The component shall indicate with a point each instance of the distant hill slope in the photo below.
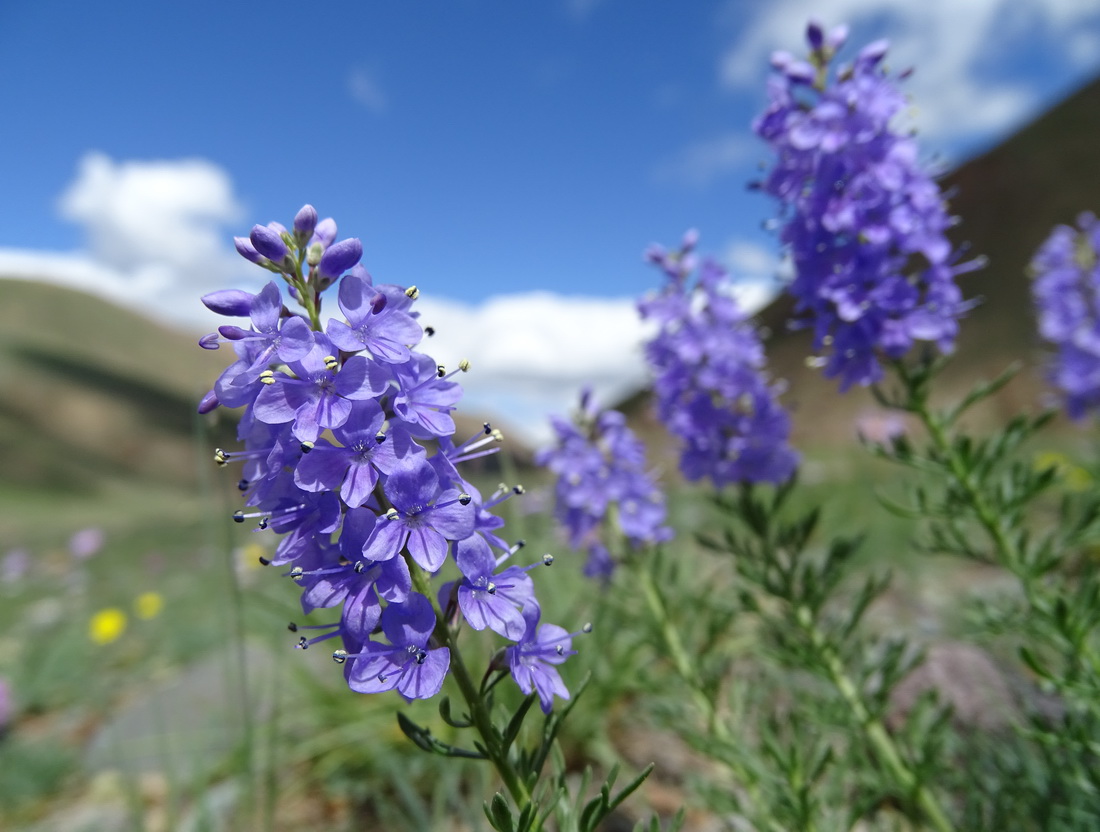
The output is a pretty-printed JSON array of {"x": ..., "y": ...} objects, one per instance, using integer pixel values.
[
  {"x": 1008, "y": 200},
  {"x": 91, "y": 390}
]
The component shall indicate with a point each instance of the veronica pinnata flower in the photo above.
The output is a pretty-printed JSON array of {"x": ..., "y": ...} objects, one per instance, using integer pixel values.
[
  {"x": 863, "y": 219},
  {"x": 602, "y": 481},
  {"x": 1066, "y": 290},
  {"x": 365, "y": 517},
  {"x": 709, "y": 380}
]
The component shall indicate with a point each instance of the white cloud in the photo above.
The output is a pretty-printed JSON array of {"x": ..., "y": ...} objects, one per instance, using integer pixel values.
[
  {"x": 952, "y": 45},
  {"x": 155, "y": 234},
  {"x": 531, "y": 353},
  {"x": 365, "y": 89},
  {"x": 155, "y": 244},
  {"x": 141, "y": 213}
]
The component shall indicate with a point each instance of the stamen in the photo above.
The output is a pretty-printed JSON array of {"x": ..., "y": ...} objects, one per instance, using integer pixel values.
[
  {"x": 488, "y": 429},
  {"x": 221, "y": 457},
  {"x": 412, "y": 292},
  {"x": 331, "y": 364},
  {"x": 238, "y": 516},
  {"x": 587, "y": 628},
  {"x": 306, "y": 447},
  {"x": 264, "y": 561},
  {"x": 547, "y": 559},
  {"x": 267, "y": 377},
  {"x": 465, "y": 498},
  {"x": 292, "y": 627},
  {"x": 243, "y": 485},
  {"x": 518, "y": 489},
  {"x": 440, "y": 370},
  {"x": 491, "y": 588},
  {"x": 392, "y": 514},
  {"x": 339, "y": 656},
  {"x": 464, "y": 365},
  {"x": 429, "y": 331},
  {"x": 380, "y": 437},
  {"x": 296, "y": 574}
]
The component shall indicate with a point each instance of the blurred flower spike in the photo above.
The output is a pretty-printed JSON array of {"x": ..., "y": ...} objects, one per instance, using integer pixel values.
[
  {"x": 1066, "y": 289},
  {"x": 709, "y": 378},
  {"x": 862, "y": 217},
  {"x": 603, "y": 491}
]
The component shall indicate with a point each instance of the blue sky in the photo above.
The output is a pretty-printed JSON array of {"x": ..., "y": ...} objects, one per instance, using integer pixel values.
[{"x": 511, "y": 158}]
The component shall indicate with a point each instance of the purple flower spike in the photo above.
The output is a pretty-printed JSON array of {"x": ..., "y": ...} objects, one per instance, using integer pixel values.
[
  {"x": 599, "y": 463},
  {"x": 340, "y": 257},
  {"x": 864, "y": 220},
  {"x": 709, "y": 379},
  {"x": 1066, "y": 292},
  {"x": 408, "y": 663},
  {"x": 532, "y": 659},
  {"x": 268, "y": 242}
]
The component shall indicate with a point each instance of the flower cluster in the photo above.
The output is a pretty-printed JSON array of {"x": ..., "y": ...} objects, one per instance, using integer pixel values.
[
  {"x": 709, "y": 379},
  {"x": 1067, "y": 293},
  {"x": 864, "y": 221},
  {"x": 337, "y": 425},
  {"x": 602, "y": 480}
]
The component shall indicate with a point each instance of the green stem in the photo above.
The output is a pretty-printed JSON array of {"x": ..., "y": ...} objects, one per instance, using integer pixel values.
[
  {"x": 479, "y": 713},
  {"x": 874, "y": 730},
  {"x": 680, "y": 658}
]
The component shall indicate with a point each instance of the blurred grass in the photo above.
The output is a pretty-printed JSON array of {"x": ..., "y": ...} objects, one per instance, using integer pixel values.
[{"x": 299, "y": 749}]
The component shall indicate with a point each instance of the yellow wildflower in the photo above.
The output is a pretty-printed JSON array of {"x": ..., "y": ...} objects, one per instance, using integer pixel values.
[
  {"x": 148, "y": 605},
  {"x": 107, "y": 625}
]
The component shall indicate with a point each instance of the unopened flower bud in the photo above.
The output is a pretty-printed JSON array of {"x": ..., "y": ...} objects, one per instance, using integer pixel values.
[
  {"x": 268, "y": 242},
  {"x": 324, "y": 233},
  {"x": 246, "y": 249},
  {"x": 233, "y": 303},
  {"x": 340, "y": 257},
  {"x": 304, "y": 223},
  {"x": 209, "y": 402}
]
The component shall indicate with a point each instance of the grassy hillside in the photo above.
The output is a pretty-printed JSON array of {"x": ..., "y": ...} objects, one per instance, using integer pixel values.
[{"x": 93, "y": 391}]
